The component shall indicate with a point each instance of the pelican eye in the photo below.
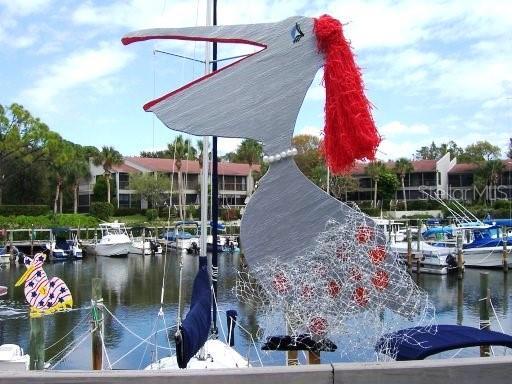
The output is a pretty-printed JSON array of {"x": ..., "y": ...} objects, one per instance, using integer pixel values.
[{"x": 296, "y": 33}]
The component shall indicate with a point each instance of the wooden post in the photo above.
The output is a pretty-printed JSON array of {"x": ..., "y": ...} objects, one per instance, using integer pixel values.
[
  {"x": 418, "y": 264},
  {"x": 51, "y": 245},
  {"x": 409, "y": 249},
  {"x": 504, "y": 240},
  {"x": 97, "y": 323},
  {"x": 87, "y": 234},
  {"x": 292, "y": 357},
  {"x": 36, "y": 343},
  {"x": 485, "y": 298},
  {"x": 418, "y": 237},
  {"x": 460, "y": 301},
  {"x": 313, "y": 357},
  {"x": 11, "y": 251},
  {"x": 32, "y": 240},
  {"x": 460, "y": 257}
]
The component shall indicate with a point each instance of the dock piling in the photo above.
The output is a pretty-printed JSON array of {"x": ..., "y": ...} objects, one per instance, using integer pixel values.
[
  {"x": 460, "y": 257},
  {"x": 97, "y": 323},
  {"x": 36, "y": 343},
  {"x": 409, "y": 249},
  {"x": 485, "y": 298}
]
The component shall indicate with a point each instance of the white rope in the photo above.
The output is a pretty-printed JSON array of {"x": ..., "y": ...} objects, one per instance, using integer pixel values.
[
  {"x": 129, "y": 330},
  {"x": 239, "y": 326},
  {"x": 105, "y": 349},
  {"x": 146, "y": 348},
  {"x": 73, "y": 349},
  {"x": 67, "y": 334}
]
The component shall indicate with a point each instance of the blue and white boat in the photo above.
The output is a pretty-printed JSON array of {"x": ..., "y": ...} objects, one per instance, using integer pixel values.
[
  {"x": 64, "y": 245},
  {"x": 184, "y": 236},
  {"x": 482, "y": 243}
]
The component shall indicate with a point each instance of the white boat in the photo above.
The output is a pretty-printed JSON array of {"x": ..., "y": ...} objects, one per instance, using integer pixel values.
[
  {"x": 394, "y": 230},
  {"x": 145, "y": 244},
  {"x": 114, "y": 241},
  {"x": 5, "y": 254},
  {"x": 184, "y": 236},
  {"x": 12, "y": 358},
  {"x": 62, "y": 248},
  {"x": 217, "y": 355},
  {"x": 435, "y": 260}
]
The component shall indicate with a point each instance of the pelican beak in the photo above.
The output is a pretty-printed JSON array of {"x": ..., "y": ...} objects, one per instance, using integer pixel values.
[{"x": 24, "y": 277}]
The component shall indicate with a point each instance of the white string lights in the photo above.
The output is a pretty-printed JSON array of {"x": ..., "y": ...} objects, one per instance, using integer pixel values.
[{"x": 348, "y": 285}]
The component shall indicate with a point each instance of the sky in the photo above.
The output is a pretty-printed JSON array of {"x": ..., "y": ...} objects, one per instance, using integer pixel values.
[{"x": 433, "y": 70}]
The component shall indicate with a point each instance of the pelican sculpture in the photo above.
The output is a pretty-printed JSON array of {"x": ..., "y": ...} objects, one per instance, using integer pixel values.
[{"x": 44, "y": 295}]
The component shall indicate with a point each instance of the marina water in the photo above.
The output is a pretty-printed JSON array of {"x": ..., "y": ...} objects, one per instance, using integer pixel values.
[{"x": 131, "y": 291}]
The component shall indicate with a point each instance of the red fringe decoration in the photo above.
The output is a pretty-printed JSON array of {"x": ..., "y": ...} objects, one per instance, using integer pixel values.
[{"x": 349, "y": 133}]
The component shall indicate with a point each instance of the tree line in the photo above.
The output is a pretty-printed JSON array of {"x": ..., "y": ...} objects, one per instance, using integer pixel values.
[{"x": 38, "y": 166}]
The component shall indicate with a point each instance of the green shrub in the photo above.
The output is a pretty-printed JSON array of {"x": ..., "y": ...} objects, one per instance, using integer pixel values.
[
  {"x": 128, "y": 211},
  {"x": 374, "y": 212},
  {"x": 27, "y": 210},
  {"x": 48, "y": 221},
  {"x": 102, "y": 210},
  {"x": 151, "y": 214},
  {"x": 502, "y": 204}
]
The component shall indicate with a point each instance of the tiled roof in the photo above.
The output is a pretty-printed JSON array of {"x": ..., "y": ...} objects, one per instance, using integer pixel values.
[
  {"x": 470, "y": 167},
  {"x": 123, "y": 168},
  {"x": 189, "y": 166},
  {"x": 419, "y": 166}
]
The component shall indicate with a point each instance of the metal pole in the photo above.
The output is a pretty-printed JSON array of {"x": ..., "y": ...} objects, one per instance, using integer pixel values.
[
  {"x": 97, "y": 323},
  {"x": 504, "y": 240},
  {"x": 485, "y": 298},
  {"x": 215, "y": 200},
  {"x": 409, "y": 249}
]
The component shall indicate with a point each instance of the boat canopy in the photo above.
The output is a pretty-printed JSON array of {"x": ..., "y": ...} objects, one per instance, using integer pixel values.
[
  {"x": 417, "y": 343},
  {"x": 194, "y": 330}
]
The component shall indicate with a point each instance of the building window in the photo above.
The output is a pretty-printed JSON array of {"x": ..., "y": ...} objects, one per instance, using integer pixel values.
[
  {"x": 429, "y": 178},
  {"x": 124, "y": 180},
  {"x": 365, "y": 182},
  {"x": 84, "y": 200},
  {"x": 124, "y": 200}
]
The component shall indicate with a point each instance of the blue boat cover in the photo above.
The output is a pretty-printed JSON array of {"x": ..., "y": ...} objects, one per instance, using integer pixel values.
[
  {"x": 421, "y": 343},
  {"x": 195, "y": 328}
]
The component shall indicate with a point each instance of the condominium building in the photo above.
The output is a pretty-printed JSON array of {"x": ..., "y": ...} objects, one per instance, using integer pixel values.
[
  {"x": 235, "y": 181},
  {"x": 443, "y": 177}
]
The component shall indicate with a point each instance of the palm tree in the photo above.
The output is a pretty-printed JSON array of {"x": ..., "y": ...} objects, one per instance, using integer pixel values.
[
  {"x": 374, "y": 170},
  {"x": 181, "y": 149},
  {"x": 108, "y": 157},
  {"x": 250, "y": 152},
  {"x": 403, "y": 166},
  {"x": 78, "y": 170},
  {"x": 489, "y": 173}
]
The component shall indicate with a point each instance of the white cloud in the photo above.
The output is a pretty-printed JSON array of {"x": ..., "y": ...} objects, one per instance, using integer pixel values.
[
  {"x": 309, "y": 130},
  {"x": 25, "y": 7},
  {"x": 396, "y": 128},
  {"x": 80, "y": 68}
]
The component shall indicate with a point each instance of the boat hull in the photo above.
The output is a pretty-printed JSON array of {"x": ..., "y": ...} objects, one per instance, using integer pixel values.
[
  {"x": 112, "y": 250},
  {"x": 218, "y": 354},
  {"x": 486, "y": 257}
]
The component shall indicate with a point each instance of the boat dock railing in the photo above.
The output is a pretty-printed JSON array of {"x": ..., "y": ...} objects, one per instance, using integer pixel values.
[{"x": 494, "y": 370}]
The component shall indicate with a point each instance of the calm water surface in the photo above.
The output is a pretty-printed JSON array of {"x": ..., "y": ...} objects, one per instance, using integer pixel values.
[{"x": 132, "y": 288}]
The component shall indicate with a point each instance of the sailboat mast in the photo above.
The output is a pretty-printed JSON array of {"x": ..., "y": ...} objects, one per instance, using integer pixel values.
[
  {"x": 215, "y": 199},
  {"x": 204, "y": 178}
]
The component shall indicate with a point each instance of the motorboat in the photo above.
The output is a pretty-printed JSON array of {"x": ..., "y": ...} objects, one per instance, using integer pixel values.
[
  {"x": 434, "y": 260},
  {"x": 482, "y": 243},
  {"x": 114, "y": 241},
  {"x": 12, "y": 358},
  {"x": 394, "y": 230},
  {"x": 184, "y": 236},
  {"x": 144, "y": 243},
  {"x": 64, "y": 245},
  {"x": 5, "y": 254}
]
